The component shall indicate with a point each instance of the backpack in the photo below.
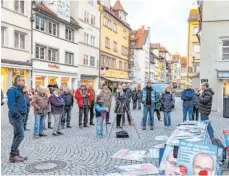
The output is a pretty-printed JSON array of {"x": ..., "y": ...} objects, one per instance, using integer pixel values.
[{"x": 122, "y": 134}]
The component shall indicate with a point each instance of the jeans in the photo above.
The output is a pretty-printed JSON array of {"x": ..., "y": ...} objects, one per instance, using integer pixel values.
[
  {"x": 204, "y": 117},
  {"x": 148, "y": 109},
  {"x": 49, "y": 117},
  {"x": 167, "y": 119},
  {"x": 66, "y": 117},
  {"x": 134, "y": 104},
  {"x": 139, "y": 103},
  {"x": 39, "y": 124},
  {"x": 195, "y": 113},
  {"x": 91, "y": 109},
  {"x": 189, "y": 111},
  {"x": 26, "y": 117},
  {"x": 108, "y": 116},
  {"x": 99, "y": 126},
  {"x": 18, "y": 126},
  {"x": 57, "y": 122},
  {"x": 118, "y": 120},
  {"x": 83, "y": 110}
]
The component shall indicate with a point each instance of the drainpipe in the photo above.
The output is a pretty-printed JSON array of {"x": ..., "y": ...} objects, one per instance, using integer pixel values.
[{"x": 99, "y": 84}]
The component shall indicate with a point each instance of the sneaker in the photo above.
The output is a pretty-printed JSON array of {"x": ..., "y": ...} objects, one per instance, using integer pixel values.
[
  {"x": 42, "y": 135},
  {"x": 15, "y": 159},
  {"x": 35, "y": 137},
  {"x": 55, "y": 134},
  {"x": 60, "y": 133},
  {"x": 169, "y": 127},
  {"x": 143, "y": 127},
  {"x": 151, "y": 128},
  {"x": 23, "y": 157},
  {"x": 131, "y": 124}
]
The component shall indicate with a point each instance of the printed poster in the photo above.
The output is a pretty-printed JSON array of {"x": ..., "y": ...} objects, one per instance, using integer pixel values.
[
  {"x": 226, "y": 137},
  {"x": 129, "y": 155},
  {"x": 138, "y": 169},
  {"x": 197, "y": 159}
]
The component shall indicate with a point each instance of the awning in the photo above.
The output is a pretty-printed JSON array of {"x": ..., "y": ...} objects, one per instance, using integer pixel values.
[
  {"x": 118, "y": 80},
  {"x": 223, "y": 74}
]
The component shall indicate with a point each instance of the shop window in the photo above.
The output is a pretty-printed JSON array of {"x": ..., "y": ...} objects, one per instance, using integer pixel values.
[
  {"x": 52, "y": 80},
  {"x": 19, "y": 40},
  {"x": 85, "y": 60},
  {"x": 226, "y": 88},
  {"x": 225, "y": 49},
  {"x": 64, "y": 81},
  {"x": 19, "y": 72},
  {"x": 52, "y": 55},
  {"x": 4, "y": 79},
  {"x": 40, "y": 81},
  {"x": 92, "y": 61},
  {"x": 69, "y": 59},
  {"x": 69, "y": 34}
]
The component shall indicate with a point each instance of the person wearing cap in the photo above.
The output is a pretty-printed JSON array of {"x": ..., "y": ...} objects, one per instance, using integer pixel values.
[
  {"x": 17, "y": 112},
  {"x": 148, "y": 101},
  {"x": 82, "y": 96}
]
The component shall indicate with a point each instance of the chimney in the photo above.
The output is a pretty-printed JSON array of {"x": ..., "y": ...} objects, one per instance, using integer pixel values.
[{"x": 143, "y": 29}]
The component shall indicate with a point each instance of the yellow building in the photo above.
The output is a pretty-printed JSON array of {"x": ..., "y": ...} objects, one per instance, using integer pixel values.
[
  {"x": 114, "y": 45},
  {"x": 193, "y": 55}
]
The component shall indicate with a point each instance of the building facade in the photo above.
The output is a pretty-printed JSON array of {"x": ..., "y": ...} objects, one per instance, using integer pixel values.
[
  {"x": 15, "y": 42},
  {"x": 88, "y": 16},
  {"x": 193, "y": 55},
  {"x": 114, "y": 45},
  {"x": 183, "y": 73},
  {"x": 176, "y": 71},
  {"x": 55, "y": 43},
  {"x": 214, "y": 50}
]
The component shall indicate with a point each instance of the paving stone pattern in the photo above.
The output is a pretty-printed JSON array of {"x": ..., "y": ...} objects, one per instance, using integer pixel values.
[{"x": 81, "y": 150}]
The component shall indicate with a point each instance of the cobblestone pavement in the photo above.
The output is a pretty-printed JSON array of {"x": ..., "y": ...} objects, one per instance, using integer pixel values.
[{"x": 81, "y": 150}]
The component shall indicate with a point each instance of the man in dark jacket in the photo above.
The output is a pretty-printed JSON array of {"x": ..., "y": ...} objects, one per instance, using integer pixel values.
[
  {"x": 69, "y": 101},
  {"x": 205, "y": 105},
  {"x": 134, "y": 98},
  {"x": 139, "y": 95},
  {"x": 17, "y": 113},
  {"x": 196, "y": 106},
  {"x": 128, "y": 94},
  {"x": 188, "y": 97}
]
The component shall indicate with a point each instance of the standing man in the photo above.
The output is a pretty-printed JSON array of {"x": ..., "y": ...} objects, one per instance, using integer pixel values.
[
  {"x": 92, "y": 102},
  {"x": 205, "y": 105},
  {"x": 82, "y": 96},
  {"x": 196, "y": 106},
  {"x": 188, "y": 97},
  {"x": 28, "y": 98},
  {"x": 69, "y": 101},
  {"x": 148, "y": 100},
  {"x": 139, "y": 95},
  {"x": 134, "y": 98},
  {"x": 107, "y": 98},
  {"x": 17, "y": 112},
  {"x": 128, "y": 94}
]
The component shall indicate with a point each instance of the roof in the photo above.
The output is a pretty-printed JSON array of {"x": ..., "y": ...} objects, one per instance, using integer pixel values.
[
  {"x": 118, "y": 6},
  {"x": 194, "y": 15},
  {"x": 140, "y": 37},
  {"x": 155, "y": 45},
  {"x": 43, "y": 7},
  {"x": 163, "y": 49}
]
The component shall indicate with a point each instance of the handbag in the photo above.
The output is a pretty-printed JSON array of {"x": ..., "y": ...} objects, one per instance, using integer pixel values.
[{"x": 122, "y": 134}]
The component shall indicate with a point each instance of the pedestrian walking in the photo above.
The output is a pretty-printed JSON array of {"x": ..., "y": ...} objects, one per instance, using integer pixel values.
[
  {"x": 148, "y": 101},
  {"x": 49, "y": 114},
  {"x": 17, "y": 112},
  {"x": 188, "y": 97},
  {"x": 167, "y": 102},
  {"x": 120, "y": 105},
  {"x": 134, "y": 98},
  {"x": 128, "y": 94},
  {"x": 28, "y": 98},
  {"x": 68, "y": 101},
  {"x": 195, "y": 114},
  {"x": 92, "y": 102},
  {"x": 40, "y": 103},
  {"x": 82, "y": 96},
  {"x": 100, "y": 113},
  {"x": 107, "y": 98},
  {"x": 205, "y": 105},
  {"x": 57, "y": 109},
  {"x": 139, "y": 95}
]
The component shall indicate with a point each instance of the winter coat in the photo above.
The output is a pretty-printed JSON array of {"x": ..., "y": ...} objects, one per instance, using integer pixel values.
[
  {"x": 128, "y": 93},
  {"x": 134, "y": 95},
  {"x": 188, "y": 97},
  {"x": 68, "y": 100},
  {"x": 16, "y": 102},
  {"x": 92, "y": 96},
  {"x": 100, "y": 110},
  {"x": 205, "y": 101},
  {"x": 120, "y": 104},
  {"x": 81, "y": 100},
  {"x": 107, "y": 98},
  {"x": 196, "y": 101},
  {"x": 157, "y": 101},
  {"x": 40, "y": 104},
  {"x": 139, "y": 94},
  {"x": 57, "y": 104},
  {"x": 167, "y": 102},
  {"x": 144, "y": 96}
]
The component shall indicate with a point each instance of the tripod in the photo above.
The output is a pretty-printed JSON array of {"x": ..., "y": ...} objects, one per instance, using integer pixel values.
[{"x": 123, "y": 116}]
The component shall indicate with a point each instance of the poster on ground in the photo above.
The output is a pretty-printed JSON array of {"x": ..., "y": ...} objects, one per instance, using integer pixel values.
[
  {"x": 138, "y": 169},
  {"x": 197, "y": 159},
  {"x": 127, "y": 154}
]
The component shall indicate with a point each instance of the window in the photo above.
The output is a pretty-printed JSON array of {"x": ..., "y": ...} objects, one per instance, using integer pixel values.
[
  {"x": 196, "y": 68},
  {"x": 19, "y": 40},
  {"x": 52, "y": 55},
  {"x": 19, "y": 6},
  {"x": 86, "y": 38},
  {"x": 90, "y": 2},
  {"x": 69, "y": 34},
  {"x": 105, "y": 21},
  {"x": 110, "y": 62},
  {"x": 93, "y": 20},
  {"x": 125, "y": 66},
  {"x": 2, "y": 3},
  {"x": 92, "y": 40},
  {"x": 115, "y": 47},
  {"x": 195, "y": 30},
  {"x": 85, "y": 60},
  {"x": 115, "y": 27},
  {"x": 86, "y": 16},
  {"x": 114, "y": 63},
  {"x": 52, "y": 28},
  {"x": 3, "y": 33},
  {"x": 92, "y": 61},
  {"x": 102, "y": 60},
  {"x": 69, "y": 58},
  {"x": 40, "y": 23},
  {"x": 107, "y": 42},
  {"x": 196, "y": 48},
  {"x": 124, "y": 34},
  {"x": 106, "y": 61},
  {"x": 225, "y": 49},
  {"x": 124, "y": 51},
  {"x": 109, "y": 24},
  {"x": 120, "y": 65},
  {"x": 40, "y": 52}
]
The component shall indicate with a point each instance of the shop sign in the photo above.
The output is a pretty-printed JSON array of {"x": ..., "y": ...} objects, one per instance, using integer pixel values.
[
  {"x": 204, "y": 80},
  {"x": 53, "y": 66}
]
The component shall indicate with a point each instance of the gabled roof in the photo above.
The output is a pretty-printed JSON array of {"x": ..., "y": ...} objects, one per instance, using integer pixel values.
[
  {"x": 140, "y": 37},
  {"x": 155, "y": 45},
  {"x": 44, "y": 8},
  {"x": 118, "y": 6},
  {"x": 194, "y": 15},
  {"x": 163, "y": 49}
]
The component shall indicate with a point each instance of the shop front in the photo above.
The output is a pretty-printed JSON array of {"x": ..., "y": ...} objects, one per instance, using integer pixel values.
[
  {"x": 46, "y": 73},
  {"x": 89, "y": 79}
]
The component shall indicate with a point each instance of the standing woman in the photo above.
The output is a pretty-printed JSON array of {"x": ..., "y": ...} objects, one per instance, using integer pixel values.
[
  {"x": 57, "y": 109},
  {"x": 167, "y": 102},
  {"x": 49, "y": 110}
]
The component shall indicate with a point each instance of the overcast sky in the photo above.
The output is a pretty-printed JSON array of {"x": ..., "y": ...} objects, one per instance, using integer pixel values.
[{"x": 167, "y": 20}]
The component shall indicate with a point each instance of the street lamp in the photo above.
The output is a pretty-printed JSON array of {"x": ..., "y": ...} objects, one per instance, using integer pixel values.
[{"x": 193, "y": 56}]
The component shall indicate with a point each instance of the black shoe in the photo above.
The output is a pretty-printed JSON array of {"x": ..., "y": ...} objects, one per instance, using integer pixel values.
[
  {"x": 55, "y": 134},
  {"x": 26, "y": 129},
  {"x": 49, "y": 125},
  {"x": 108, "y": 123},
  {"x": 92, "y": 124},
  {"x": 69, "y": 126},
  {"x": 151, "y": 128},
  {"x": 42, "y": 135},
  {"x": 60, "y": 133},
  {"x": 143, "y": 127},
  {"x": 86, "y": 125}
]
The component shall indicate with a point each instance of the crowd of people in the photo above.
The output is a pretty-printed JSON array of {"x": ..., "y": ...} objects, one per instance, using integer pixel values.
[{"x": 56, "y": 105}]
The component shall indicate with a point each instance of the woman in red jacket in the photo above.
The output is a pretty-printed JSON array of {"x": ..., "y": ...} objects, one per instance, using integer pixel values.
[{"x": 82, "y": 96}]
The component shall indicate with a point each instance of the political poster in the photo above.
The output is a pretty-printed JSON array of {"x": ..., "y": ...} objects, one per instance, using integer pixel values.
[
  {"x": 197, "y": 159},
  {"x": 226, "y": 137},
  {"x": 138, "y": 169},
  {"x": 126, "y": 154}
]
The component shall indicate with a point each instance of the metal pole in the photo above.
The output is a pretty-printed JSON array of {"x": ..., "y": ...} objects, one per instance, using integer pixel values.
[{"x": 99, "y": 84}]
